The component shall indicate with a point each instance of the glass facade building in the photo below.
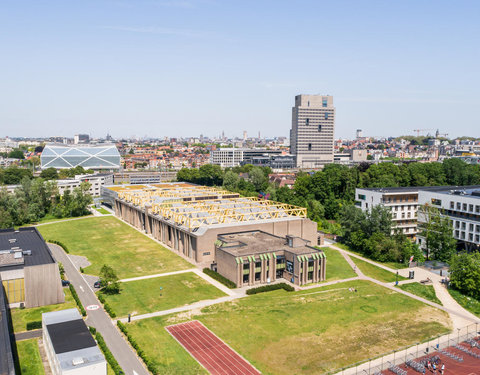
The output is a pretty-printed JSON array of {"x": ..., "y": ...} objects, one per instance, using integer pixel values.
[{"x": 88, "y": 156}]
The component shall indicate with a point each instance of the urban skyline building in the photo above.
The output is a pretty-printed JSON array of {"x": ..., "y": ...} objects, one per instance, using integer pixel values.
[{"x": 312, "y": 133}]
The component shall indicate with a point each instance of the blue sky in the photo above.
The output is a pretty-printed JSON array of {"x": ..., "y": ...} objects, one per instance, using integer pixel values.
[{"x": 185, "y": 67}]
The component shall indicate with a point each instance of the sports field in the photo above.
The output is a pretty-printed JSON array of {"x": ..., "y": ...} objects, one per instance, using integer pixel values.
[
  {"x": 107, "y": 240},
  {"x": 145, "y": 296},
  {"x": 306, "y": 332}
]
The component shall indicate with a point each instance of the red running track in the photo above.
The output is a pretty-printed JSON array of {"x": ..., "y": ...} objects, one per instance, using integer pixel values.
[{"x": 211, "y": 352}]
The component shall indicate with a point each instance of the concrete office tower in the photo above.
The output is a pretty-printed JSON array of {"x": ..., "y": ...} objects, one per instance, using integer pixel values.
[
  {"x": 359, "y": 133},
  {"x": 313, "y": 125}
]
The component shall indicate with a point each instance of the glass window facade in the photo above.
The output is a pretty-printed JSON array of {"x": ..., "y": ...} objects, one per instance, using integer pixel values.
[{"x": 88, "y": 157}]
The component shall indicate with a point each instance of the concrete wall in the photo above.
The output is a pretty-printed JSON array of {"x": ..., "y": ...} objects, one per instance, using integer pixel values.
[{"x": 43, "y": 285}]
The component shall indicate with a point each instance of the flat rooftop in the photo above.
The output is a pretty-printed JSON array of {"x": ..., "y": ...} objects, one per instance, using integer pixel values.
[
  {"x": 466, "y": 191},
  {"x": 192, "y": 206},
  {"x": 414, "y": 189},
  {"x": 23, "y": 247},
  {"x": 258, "y": 242}
]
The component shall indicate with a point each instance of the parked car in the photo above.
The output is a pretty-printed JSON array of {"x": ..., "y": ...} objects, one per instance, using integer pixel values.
[
  {"x": 97, "y": 284},
  {"x": 65, "y": 283}
]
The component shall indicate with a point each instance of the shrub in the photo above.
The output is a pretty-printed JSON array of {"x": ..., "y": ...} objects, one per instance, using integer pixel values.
[
  {"x": 151, "y": 366},
  {"x": 82, "y": 270},
  {"x": 268, "y": 288},
  {"x": 93, "y": 330},
  {"x": 219, "y": 278},
  {"x": 108, "y": 354},
  {"x": 77, "y": 300},
  {"x": 101, "y": 298},
  {"x": 64, "y": 247},
  {"x": 37, "y": 324},
  {"x": 109, "y": 310}
]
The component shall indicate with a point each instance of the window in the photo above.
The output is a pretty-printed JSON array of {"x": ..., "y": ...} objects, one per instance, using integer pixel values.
[
  {"x": 319, "y": 128},
  {"x": 470, "y": 237},
  {"x": 459, "y": 206},
  {"x": 464, "y": 207},
  {"x": 436, "y": 202},
  {"x": 477, "y": 209},
  {"x": 477, "y": 238},
  {"x": 245, "y": 278},
  {"x": 207, "y": 253},
  {"x": 478, "y": 228},
  {"x": 324, "y": 102},
  {"x": 452, "y": 205},
  {"x": 457, "y": 224},
  {"x": 457, "y": 233},
  {"x": 308, "y": 103},
  {"x": 470, "y": 208},
  {"x": 309, "y": 147},
  {"x": 361, "y": 196},
  {"x": 326, "y": 115},
  {"x": 470, "y": 227},
  {"x": 307, "y": 121},
  {"x": 464, "y": 226}
]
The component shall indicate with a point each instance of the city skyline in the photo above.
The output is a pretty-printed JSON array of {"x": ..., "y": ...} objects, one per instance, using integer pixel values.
[{"x": 182, "y": 68}]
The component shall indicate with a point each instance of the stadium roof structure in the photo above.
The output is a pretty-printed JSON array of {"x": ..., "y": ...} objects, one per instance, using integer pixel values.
[
  {"x": 59, "y": 156},
  {"x": 193, "y": 206}
]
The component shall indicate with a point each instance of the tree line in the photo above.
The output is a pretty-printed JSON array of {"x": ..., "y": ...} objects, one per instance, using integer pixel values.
[
  {"x": 14, "y": 175},
  {"x": 35, "y": 198}
]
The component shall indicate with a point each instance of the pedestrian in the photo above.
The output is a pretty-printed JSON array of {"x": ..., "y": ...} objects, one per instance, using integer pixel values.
[
  {"x": 443, "y": 368},
  {"x": 428, "y": 364},
  {"x": 434, "y": 368}
]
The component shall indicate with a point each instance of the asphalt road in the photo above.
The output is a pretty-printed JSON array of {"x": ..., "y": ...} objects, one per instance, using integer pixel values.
[{"x": 99, "y": 319}]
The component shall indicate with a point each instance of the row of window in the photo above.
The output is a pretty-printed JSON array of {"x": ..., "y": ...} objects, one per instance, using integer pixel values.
[
  {"x": 471, "y": 227},
  {"x": 462, "y": 236},
  {"x": 463, "y": 206}
]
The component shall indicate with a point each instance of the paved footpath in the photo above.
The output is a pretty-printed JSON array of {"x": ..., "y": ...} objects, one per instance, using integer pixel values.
[
  {"x": 99, "y": 319},
  {"x": 27, "y": 335}
]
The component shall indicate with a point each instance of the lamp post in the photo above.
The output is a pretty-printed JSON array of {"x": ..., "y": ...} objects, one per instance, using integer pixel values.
[
  {"x": 396, "y": 279},
  {"x": 161, "y": 289},
  {"x": 458, "y": 336}
]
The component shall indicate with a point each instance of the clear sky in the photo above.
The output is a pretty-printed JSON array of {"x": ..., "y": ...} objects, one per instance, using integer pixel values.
[{"x": 185, "y": 67}]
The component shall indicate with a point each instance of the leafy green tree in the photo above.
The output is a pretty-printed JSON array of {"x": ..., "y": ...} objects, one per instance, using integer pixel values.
[
  {"x": 109, "y": 280},
  {"x": 437, "y": 232},
  {"x": 16, "y": 154},
  {"x": 258, "y": 179},
  {"x": 13, "y": 175},
  {"x": 49, "y": 174},
  {"x": 230, "y": 180},
  {"x": 465, "y": 273}
]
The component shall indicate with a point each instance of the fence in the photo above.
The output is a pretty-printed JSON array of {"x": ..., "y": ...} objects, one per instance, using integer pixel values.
[{"x": 373, "y": 366}]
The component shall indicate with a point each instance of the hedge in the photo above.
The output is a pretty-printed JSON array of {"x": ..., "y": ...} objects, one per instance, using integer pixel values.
[
  {"x": 106, "y": 306},
  {"x": 108, "y": 354},
  {"x": 151, "y": 366},
  {"x": 64, "y": 247},
  {"x": 219, "y": 278},
  {"x": 268, "y": 288},
  {"x": 77, "y": 300},
  {"x": 37, "y": 324}
]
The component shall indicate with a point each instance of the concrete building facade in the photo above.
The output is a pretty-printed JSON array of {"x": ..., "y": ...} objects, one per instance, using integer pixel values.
[
  {"x": 257, "y": 257},
  {"x": 233, "y": 157},
  {"x": 188, "y": 218},
  {"x": 312, "y": 133}
]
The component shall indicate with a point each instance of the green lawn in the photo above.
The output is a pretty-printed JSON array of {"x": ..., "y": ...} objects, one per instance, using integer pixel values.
[
  {"x": 143, "y": 296},
  {"x": 393, "y": 265},
  {"x": 425, "y": 291},
  {"x": 299, "y": 332},
  {"x": 375, "y": 272},
  {"x": 48, "y": 218},
  {"x": 337, "y": 266},
  {"x": 469, "y": 303},
  {"x": 20, "y": 317},
  {"x": 107, "y": 240},
  {"x": 103, "y": 211},
  {"x": 30, "y": 362}
]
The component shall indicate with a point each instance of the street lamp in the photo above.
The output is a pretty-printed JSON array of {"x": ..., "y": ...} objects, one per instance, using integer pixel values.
[
  {"x": 161, "y": 289},
  {"x": 458, "y": 337}
]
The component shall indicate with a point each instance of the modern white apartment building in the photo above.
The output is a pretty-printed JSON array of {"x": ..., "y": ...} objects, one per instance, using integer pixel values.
[
  {"x": 232, "y": 157},
  {"x": 462, "y": 206},
  {"x": 402, "y": 202},
  {"x": 312, "y": 133}
]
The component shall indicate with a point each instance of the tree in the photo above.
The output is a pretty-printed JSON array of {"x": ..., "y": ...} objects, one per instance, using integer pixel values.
[
  {"x": 258, "y": 179},
  {"x": 465, "y": 273},
  {"x": 16, "y": 154},
  {"x": 437, "y": 232},
  {"x": 49, "y": 174},
  {"x": 109, "y": 280},
  {"x": 230, "y": 180}
]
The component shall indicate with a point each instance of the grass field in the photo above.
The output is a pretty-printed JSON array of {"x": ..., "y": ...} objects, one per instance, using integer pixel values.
[
  {"x": 300, "y": 332},
  {"x": 469, "y": 303},
  {"x": 337, "y": 266},
  {"x": 375, "y": 272},
  {"x": 393, "y": 265},
  {"x": 30, "y": 362},
  {"x": 20, "y": 317},
  {"x": 424, "y": 291},
  {"x": 102, "y": 210},
  {"x": 107, "y": 240},
  {"x": 143, "y": 296}
]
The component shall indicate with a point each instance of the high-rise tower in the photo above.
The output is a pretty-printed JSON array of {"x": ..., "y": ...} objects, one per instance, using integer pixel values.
[{"x": 313, "y": 125}]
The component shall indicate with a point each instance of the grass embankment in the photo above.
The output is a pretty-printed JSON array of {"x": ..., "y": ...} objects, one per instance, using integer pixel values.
[
  {"x": 424, "y": 291},
  {"x": 21, "y": 317},
  {"x": 393, "y": 265},
  {"x": 145, "y": 296},
  {"x": 376, "y": 272},
  {"x": 107, "y": 240},
  {"x": 103, "y": 211},
  {"x": 337, "y": 267},
  {"x": 469, "y": 303},
  {"x": 298, "y": 332},
  {"x": 29, "y": 359}
]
